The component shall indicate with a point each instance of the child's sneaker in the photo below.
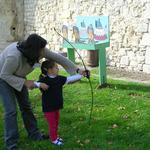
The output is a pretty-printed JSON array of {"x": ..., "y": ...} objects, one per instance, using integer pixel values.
[
  {"x": 60, "y": 139},
  {"x": 57, "y": 142}
]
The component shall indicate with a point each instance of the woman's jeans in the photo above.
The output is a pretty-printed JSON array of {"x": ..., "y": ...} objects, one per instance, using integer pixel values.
[{"x": 9, "y": 97}]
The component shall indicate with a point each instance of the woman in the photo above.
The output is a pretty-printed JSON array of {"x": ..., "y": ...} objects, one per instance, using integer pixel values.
[{"x": 16, "y": 62}]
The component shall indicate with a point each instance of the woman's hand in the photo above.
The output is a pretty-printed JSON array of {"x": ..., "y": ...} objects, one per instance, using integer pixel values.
[
  {"x": 44, "y": 86},
  {"x": 29, "y": 84}
]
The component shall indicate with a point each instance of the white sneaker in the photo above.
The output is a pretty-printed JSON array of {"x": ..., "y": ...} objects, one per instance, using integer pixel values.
[
  {"x": 57, "y": 142},
  {"x": 60, "y": 139}
]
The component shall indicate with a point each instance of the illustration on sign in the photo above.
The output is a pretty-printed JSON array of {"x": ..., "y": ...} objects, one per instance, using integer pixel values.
[{"x": 90, "y": 29}]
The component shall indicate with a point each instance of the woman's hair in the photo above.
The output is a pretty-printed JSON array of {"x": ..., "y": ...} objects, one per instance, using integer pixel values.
[
  {"x": 45, "y": 66},
  {"x": 31, "y": 48}
]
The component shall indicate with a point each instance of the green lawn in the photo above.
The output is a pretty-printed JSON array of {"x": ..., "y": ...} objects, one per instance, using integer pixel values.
[{"x": 120, "y": 119}]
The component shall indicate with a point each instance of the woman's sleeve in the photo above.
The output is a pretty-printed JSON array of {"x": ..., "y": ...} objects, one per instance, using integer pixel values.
[
  {"x": 69, "y": 66},
  {"x": 7, "y": 73}
]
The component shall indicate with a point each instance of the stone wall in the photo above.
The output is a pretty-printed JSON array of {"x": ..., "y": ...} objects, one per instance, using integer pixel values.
[
  {"x": 11, "y": 20},
  {"x": 129, "y": 26}
]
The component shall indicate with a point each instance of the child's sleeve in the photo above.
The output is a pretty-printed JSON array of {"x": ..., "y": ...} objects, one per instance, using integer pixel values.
[
  {"x": 37, "y": 84},
  {"x": 73, "y": 78}
]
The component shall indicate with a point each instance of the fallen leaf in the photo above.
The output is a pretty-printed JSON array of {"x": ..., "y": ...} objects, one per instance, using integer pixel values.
[
  {"x": 115, "y": 126},
  {"x": 125, "y": 116},
  {"x": 135, "y": 111},
  {"x": 121, "y": 108},
  {"x": 110, "y": 142},
  {"x": 87, "y": 141}
]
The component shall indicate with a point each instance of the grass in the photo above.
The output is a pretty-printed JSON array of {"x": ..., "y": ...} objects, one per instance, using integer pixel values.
[{"x": 120, "y": 118}]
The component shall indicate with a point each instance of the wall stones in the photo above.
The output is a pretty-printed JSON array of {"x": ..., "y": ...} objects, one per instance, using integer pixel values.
[
  {"x": 11, "y": 20},
  {"x": 147, "y": 56},
  {"x": 129, "y": 26},
  {"x": 6, "y": 19},
  {"x": 145, "y": 39}
]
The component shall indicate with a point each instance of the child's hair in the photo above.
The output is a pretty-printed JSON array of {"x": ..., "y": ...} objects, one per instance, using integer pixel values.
[{"x": 45, "y": 66}]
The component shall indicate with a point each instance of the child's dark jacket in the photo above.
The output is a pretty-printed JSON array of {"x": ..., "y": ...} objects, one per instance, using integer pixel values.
[{"x": 52, "y": 99}]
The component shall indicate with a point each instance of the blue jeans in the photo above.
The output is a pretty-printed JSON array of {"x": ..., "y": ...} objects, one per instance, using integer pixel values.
[{"x": 9, "y": 97}]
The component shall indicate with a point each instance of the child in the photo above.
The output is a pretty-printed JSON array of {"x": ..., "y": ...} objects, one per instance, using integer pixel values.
[{"x": 52, "y": 98}]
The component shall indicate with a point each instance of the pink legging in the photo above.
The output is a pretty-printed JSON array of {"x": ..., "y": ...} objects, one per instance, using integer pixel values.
[{"x": 53, "y": 120}]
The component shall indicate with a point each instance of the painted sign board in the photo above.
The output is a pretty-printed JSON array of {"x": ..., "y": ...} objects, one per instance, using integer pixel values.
[{"x": 89, "y": 29}]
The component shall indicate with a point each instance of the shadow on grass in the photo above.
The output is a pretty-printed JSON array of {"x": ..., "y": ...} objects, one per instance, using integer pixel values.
[{"x": 132, "y": 87}]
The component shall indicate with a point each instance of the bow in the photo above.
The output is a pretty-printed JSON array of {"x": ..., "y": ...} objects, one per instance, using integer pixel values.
[{"x": 88, "y": 76}]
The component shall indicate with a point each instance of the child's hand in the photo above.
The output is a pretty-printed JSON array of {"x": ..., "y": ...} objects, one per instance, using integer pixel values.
[
  {"x": 85, "y": 73},
  {"x": 44, "y": 86}
]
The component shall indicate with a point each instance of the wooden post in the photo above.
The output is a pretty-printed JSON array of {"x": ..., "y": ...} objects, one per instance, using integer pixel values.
[
  {"x": 71, "y": 54},
  {"x": 102, "y": 67}
]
